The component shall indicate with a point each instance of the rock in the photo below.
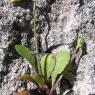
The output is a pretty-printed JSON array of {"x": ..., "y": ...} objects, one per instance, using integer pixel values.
[
  {"x": 62, "y": 21},
  {"x": 24, "y": 93}
]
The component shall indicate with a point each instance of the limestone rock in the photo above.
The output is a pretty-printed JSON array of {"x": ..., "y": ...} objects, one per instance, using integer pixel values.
[{"x": 62, "y": 22}]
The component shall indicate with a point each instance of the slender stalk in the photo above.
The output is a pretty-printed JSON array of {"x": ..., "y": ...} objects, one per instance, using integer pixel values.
[
  {"x": 54, "y": 87},
  {"x": 36, "y": 38},
  {"x": 35, "y": 33}
]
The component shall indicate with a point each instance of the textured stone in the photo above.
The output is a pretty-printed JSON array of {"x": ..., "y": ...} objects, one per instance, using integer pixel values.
[{"x": 62, "y": 22}]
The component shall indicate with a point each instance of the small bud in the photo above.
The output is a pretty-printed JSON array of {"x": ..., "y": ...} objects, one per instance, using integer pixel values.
[{"x": 80, "y": 42}]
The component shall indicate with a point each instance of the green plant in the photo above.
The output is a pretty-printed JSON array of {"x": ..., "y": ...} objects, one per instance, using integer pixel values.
[{"x": 52, "y": 67}]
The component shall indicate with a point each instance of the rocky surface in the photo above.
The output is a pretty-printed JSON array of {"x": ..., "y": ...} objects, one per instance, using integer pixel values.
[{"x": 62, "y": 21}]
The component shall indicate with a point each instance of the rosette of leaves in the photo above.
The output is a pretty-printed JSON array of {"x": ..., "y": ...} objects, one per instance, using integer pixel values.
[{"x": 52, "y": 67}]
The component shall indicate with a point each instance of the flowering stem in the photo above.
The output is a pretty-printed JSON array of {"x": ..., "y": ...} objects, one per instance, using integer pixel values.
[{"x": 36, "y": 37}]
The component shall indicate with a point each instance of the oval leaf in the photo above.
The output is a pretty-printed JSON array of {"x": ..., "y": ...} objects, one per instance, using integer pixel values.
[
  {"x": 50, "y": 64},
  {"x": 26, "y": 77},
  {"x": 62, "y": 60},
  {"x": 43, "y": 64},
  {"x": 37, "y": 79},
  {"x": 26, "y": 53}
]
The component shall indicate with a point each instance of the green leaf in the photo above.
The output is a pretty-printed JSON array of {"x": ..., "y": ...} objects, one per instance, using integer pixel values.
[
  {"x": 47, "y": 64},
  {"x": 26, "y": 53},
  {"x": 50, "y": 64},
  {"x": 26, "y": 77},
  {"x": 37, "y": 79},
  {"x": 43, "y": 64},
  {"x": 80, "y": 42},
  {"x": 62, "y": 60}
]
